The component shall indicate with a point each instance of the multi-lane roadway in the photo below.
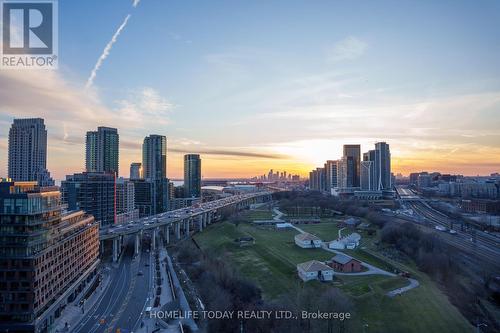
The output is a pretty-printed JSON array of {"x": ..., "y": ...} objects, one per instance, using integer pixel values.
[{"x": 121, "y": 303}]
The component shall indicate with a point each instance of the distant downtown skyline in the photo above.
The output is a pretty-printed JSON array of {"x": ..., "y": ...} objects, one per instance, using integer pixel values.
[
  {"x": 255, "y": 85},
  {"x": 90, "y": 151}
]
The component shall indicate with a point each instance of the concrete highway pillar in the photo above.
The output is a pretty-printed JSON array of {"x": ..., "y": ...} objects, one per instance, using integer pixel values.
[
  {"x": 200, "y": 223},
  {"x": 137, "y": 243},
  {"x": 167, "y": 234},
  {"x": 204, "y": 219},
  {"x": 188, "y": 222},
  {"x": 178, "y": 230},
  {"x": 101, "y": 247},
  {"x": 115, "y": 249},
  {"x": 153, "y": 239}
]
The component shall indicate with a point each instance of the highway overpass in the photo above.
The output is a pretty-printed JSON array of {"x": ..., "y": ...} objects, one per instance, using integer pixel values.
[{"x": 179, "y": 222}]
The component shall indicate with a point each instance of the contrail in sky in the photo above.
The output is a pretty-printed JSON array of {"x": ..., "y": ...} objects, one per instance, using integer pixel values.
[{"x": 107, "y": 49}]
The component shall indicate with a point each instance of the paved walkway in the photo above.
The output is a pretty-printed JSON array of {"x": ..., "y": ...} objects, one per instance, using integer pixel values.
[
  {"x": 413, "y": 284},
  {"x": 73, "y": 313},
  {"x": 278, "y": 216},
  {"x": 340, "y": 232}
]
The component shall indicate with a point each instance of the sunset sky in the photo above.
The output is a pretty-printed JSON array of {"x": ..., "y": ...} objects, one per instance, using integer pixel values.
[{"x": 282, "y": 84}]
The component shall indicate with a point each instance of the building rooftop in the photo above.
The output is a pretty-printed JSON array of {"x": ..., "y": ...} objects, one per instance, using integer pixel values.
[
  {"x": 313, "y": 266},
  {"x": 342, "y": 259},
  {"x": 351, "y": 221},
  {"x": 213, "y": 188},
  {"x": 354, "y": 237},
  {"x": 306, "y": 237}
]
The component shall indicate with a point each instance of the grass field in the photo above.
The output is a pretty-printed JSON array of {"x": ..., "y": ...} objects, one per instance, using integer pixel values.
[
  {"x": 362, "y": 255},
  {"x": 258, "y": 214},
  {"x": 327, "y": 231},
  {"x": 271, "y": 263}
]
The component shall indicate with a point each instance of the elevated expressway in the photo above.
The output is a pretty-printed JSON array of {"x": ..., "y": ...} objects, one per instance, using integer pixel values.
[{"x": 179, "y": 222}]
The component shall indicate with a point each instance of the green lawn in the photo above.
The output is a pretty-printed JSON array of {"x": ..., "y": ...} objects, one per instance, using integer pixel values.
[
  {"x": 327, "y": 231},
  {"x": 424, "y": 309},
  {"x": 391, "y": 284},
  {"x": 362, "y": 255},
  {"x": 271, "y": 263},
  {"x": 258, "y": 214}
]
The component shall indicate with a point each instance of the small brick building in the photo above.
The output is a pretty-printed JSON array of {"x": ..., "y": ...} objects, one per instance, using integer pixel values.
[{"x": 345, "y": 264}]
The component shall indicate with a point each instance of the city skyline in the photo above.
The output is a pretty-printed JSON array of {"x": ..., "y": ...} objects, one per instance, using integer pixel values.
[
  {"x": 303, "y": 81},
  {"x": 125, "y": 173}
]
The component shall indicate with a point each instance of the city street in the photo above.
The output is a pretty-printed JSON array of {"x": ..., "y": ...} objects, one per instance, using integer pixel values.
[{"x": 121, "y": 305}]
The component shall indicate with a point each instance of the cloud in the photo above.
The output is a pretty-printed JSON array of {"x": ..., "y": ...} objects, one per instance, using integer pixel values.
[
  {"x": 177, "y": 37},
  {"x": 128, "y": 144},
  {"x": 224, "y": 152},
  {"x": 70, "y": 111},
  {"x": 184, "y": 142},
  {"x": 349, "y": 48},
  {"x": 135, "y": 3},
  {"x": 465, "y": 115},
  {"x": 106, "y": 51},
  {"x": 145, "y": 104},
  {"x": 34, "y": 93}
]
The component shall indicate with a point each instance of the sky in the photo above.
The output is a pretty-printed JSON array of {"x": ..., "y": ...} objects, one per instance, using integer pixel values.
[{"x": 282, "y": 84}]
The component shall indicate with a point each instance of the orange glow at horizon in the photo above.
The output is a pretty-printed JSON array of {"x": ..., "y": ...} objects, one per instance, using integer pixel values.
[{"x": 215, "y": 166}]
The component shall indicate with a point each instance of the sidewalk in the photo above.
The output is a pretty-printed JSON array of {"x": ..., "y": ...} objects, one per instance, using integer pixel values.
[
  {"x": 165, "y": 297},
  {"x": 413, "y": 284},
  {"x": 278, "y": 216},
  {"x": 72, "y": 314}
]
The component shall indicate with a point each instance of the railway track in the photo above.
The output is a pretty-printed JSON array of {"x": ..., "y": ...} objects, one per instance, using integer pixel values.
[
  {"x": 445, "y": 221},
  {"x": 484, "y": 248}
]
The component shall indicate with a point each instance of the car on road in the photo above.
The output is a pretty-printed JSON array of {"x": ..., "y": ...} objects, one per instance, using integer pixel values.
[
  {"x": 453, "y": 232},
  {"x": 140, "y": 273},
  {"x": 440, "y": 228}
]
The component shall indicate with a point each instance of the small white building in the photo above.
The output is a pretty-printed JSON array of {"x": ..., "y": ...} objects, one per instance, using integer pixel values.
[
  {"x": 352, "y": 222},
  {"x": 314, "y": 270},
  {"x": 348, "y": 242},
  {"x": 307, "y": 241},
  {"x": 281, "y": 226}
]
